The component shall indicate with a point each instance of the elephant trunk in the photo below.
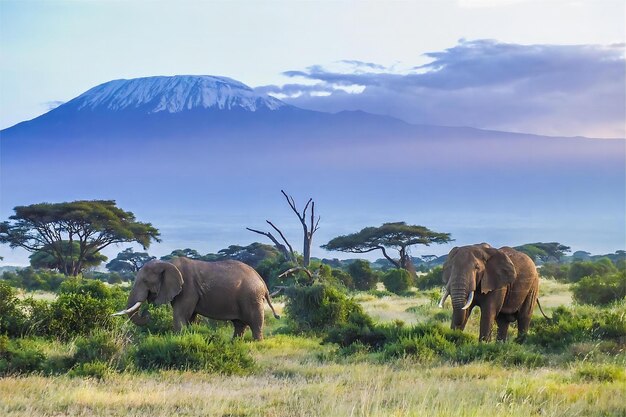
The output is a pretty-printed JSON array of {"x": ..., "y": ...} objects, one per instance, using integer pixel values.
[
  {"x": 460, "y": 294},
  {"x": 137, "y": 296}
]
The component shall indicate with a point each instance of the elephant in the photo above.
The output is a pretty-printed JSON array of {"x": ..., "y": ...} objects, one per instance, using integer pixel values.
[
  {"x": 222, "y": 290},
  {"x": 503, "y": 282}
]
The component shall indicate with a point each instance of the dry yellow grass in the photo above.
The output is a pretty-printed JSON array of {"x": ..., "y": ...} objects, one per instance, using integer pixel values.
[
  {"x": 297, "y": 384},
  {"x": 292, "y": 380}
]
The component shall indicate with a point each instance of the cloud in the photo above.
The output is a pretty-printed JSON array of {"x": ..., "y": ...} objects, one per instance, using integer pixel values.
[
  {"x": 547, "y": 89},
  {"x": 51, "y": 105}
]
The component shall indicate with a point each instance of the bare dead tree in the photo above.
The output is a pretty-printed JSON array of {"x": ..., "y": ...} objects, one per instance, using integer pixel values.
[{"x": 309, "y": 230}]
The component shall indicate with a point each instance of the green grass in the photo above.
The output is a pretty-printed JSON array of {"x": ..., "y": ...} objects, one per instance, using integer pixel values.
[{"x": 301, "y": 376}]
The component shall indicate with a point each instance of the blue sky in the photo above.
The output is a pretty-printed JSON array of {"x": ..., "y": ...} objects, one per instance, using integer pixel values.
[{"x": 51, "y": 51}]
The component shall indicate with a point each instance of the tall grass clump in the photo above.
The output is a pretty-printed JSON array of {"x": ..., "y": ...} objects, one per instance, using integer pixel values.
[
  {"x": 579, "y": 324},
  {"x": 193, "y": 351},
  {"x": 321, "y": 307}
]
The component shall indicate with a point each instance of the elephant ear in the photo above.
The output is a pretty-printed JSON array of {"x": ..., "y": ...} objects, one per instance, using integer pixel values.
[
  {"x": 169, "y": 285},
  {"x": 499, "y": 271},
  {"x": 447, "y": 266}
]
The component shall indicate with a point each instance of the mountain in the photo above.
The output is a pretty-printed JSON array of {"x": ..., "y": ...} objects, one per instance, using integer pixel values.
[
  {"x": 173, "y": 95},
  {"x": 203, "y": 157}
]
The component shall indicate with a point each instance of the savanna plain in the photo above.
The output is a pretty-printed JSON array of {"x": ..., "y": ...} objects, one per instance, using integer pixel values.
[{"x": 290, "y": 374}]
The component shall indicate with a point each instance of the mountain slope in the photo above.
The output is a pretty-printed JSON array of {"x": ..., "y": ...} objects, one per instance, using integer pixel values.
[{"x": 210, "y": 153}]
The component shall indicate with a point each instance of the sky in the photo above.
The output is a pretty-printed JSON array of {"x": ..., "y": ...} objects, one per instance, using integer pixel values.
[
  {"x": 52, "y": 51},
  {"x": 552, "y": 67}
]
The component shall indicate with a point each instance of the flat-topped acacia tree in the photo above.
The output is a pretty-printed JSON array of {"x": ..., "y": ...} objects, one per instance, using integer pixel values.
[
  {"x": 399, "y": 236},
  {"x": 56, "y": 227}
]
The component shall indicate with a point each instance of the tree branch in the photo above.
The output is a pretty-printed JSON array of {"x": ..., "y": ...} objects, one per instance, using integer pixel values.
[
  {"x": 280, "y": 246},
  {"x": 297, "y": 268},
  {"x": 283, "y": 237},
  {"x": 389, "y": 258}
]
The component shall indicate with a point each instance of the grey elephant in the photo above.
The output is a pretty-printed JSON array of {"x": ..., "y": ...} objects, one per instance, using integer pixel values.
[
  {"x": 223, "y": 290},
  {"x": 503, "y": 282}
]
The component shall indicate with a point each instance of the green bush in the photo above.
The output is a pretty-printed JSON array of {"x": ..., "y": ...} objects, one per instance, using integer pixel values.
[
  {"x": 38, "y": 315},
  {"x": 95, "y": 369},
  {"x": 193, "y": 351},
  {"x": 320, "y": 307},
  {"x": 433, "y": 279},
  {"x": 77, "y": 314},
  {"x": 568, "y": 326},
  {"x": 99, "y": 346},
  {"x": 12, "y": 318},
  {"x": 397, "y": 280},
  {"x": 82, "y": 306},
  {"x": 344, "y": 278},
  {"x": 34, "y": 279},
  {"x": 20, "y": 356},
  {"x": 554, "y": 271},
  {"x": 508, "y": 354},
  {"x": 363, "y": 277},
  {"x": 580, "y": 269},
  {"x": 600, "y": 290}
]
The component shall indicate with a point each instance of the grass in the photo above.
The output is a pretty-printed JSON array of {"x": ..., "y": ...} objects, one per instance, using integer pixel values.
[
  {"x": 298, "y": 376},
  {"x": 306, "y": 387}
]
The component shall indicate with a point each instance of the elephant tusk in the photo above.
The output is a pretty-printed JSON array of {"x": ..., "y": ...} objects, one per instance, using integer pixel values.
[
  {"x": 128, "y": 310},
  {"x": 445, "y": 295},
  {"x": 470, "y": 298}
]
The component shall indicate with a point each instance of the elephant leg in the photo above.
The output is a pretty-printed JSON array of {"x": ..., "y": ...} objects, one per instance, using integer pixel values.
[
  {"x": 183, "y": 314},
  {"x": 524, "y": 316},
  {"x": 240, "y": 328},
  {"x": 256, "y": 322},
  {"x": 489, "y": 310},
  {"x": 487, "y": 318},
  {"x": 503, "y": 328}
]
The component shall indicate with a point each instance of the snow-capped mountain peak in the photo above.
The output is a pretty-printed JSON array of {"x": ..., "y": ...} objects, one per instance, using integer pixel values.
[{"x": 173, "y": 94}]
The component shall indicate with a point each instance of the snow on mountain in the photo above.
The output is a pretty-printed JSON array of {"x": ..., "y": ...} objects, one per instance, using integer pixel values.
[{"x": 174, "y": 94}]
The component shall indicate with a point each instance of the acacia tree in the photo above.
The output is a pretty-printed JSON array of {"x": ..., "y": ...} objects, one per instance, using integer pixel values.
[
  {"x": 128, "y": 262},
  {"x": 399, "y": 236},
  {"x": 544, "y": 251},
  {"x": 45, "y": 258},
  {"x": 94, "y": 225},
  {"x": 310, "y": 225}
]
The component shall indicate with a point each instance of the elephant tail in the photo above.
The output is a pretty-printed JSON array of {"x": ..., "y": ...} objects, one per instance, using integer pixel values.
[
  {"x": 269, "y": 301},
  {"x": 541, "y": 309}
]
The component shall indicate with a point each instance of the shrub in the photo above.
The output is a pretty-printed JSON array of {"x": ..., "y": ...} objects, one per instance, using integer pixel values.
[
  {"x": 11, "y": 316},
  {"x": 95, "y": 369},
  {"x": 38, "y": 317},
  {"x": 99, "y": 346},
  {"x": 82, "y": 306},
  {"x": 397, "y": 280},
  {"x": 77, "y": 314},
  {"x": 20, "y": 356},
  {"x": 568, "y": 326},
  {"x": 554, "y": 271},
  {"x": 501, "y": 353},
  {"x": 320, "y": 306},
  {"x": 192, "y": 351},
  {"x": 363, "y": 276},
  {"x": 433, "y": 279},
  {"x": 579, "y": 270},
  {"x": 34, "y": 279},
  {"x": 343, "y": 277},
  {"x": 600, "y": 290}
]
